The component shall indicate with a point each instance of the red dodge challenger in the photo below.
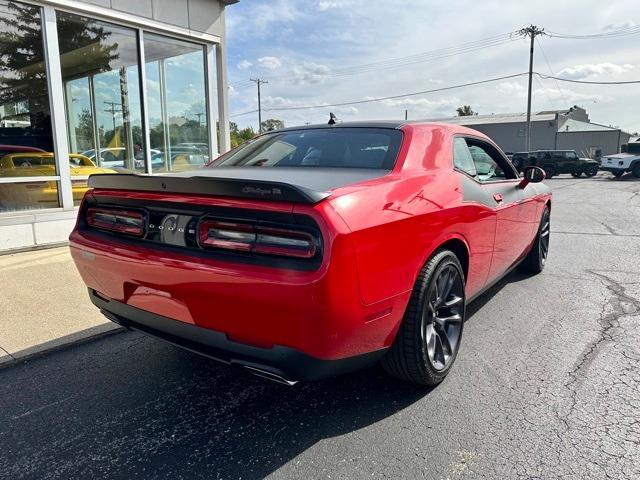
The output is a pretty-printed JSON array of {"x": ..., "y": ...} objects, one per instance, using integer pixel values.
[{"x": 317, "y": 250}]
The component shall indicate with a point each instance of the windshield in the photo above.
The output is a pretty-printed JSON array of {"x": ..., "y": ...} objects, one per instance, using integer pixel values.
[{"x": 375, "y": 148}]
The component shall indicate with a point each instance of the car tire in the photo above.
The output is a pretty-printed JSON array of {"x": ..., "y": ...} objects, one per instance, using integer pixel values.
[
  {"x": 536, "y": 259},
  {"x": 618, "y": 173},
  {"x": 591, "y": 171},
  {"x": 636, "y": 170},
  {"x": 549, "y": 172},
  {"x": 428, "y": 340}
]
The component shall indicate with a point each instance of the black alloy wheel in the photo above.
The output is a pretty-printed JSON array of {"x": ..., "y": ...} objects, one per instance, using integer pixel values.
[
  {"x": 536, "y": 259},
  {"x": 442, "y": 318},
  {"x": 591, "y": 171},
  {"x": 545, "y": 234},
  {"x": 428, "y": 340}
]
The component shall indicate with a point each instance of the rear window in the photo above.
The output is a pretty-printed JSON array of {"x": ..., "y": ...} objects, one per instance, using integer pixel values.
[{"x": 375, "y": 148}]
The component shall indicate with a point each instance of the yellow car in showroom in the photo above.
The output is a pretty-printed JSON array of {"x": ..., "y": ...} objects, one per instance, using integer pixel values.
[{"x": 41, "y": 194}]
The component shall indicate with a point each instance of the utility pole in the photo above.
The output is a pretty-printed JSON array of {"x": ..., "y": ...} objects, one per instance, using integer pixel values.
[
  {"x": 113, "y": 109},
  {"x": 258, "y": 82},
  {"x": 531, "y": 31}
]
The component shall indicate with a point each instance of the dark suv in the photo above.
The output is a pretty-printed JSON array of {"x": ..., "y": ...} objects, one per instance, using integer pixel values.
[{"x": 555, "y": 162}]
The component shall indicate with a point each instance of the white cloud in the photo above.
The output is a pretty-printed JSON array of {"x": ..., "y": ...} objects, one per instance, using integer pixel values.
[
  {"x": 511, "y": 88},
  {"x": 232, "y": 91},
  {"x": 587, "y": 70},
  {"x": 309, "y": 72},
  {"x": 346, "y": 111},
  {"x": 270, "y": 62},
  {"x": 276, "y": 102},
  {"x": 262, "y": 18},
  {"x": 244, "y": 64},
  {"x": 424, "y": 105},
  {"x": 327, "y": 5},
  {"x": 618, "y": 26}
]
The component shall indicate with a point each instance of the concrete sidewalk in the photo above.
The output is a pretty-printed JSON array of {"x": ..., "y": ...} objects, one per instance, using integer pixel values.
[{"x": 44, "y": 304}]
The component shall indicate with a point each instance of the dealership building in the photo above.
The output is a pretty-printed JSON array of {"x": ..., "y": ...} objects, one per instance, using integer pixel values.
[
  {"x": 102, "y": 86},
  {"x": 569, "y": 129}
]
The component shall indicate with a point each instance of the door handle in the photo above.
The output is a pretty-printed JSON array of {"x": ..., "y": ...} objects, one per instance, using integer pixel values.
[{"x": 497, "y": 197}]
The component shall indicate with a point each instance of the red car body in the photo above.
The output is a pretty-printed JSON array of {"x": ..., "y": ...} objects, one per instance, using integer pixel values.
[{"x": 342, "y": 311}]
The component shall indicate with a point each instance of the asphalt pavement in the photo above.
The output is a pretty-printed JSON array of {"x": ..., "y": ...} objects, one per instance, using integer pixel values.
[{"x": 546, "y": 385}]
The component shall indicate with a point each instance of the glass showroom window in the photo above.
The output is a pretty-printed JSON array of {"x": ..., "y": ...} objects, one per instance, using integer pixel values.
[
  {"x": 99, "y": 63},
  {"x": 28, "y": 176},
  {"x": 177, "y": 107}
]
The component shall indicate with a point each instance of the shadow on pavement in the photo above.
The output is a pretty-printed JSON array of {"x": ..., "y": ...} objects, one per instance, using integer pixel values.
[
  {"x": 475, "y": 306},
  {"x": 127, "y": 406}
]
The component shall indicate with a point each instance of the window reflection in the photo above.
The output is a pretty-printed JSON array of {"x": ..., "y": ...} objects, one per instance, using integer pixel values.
[
  {"x": 99, "y": 64},
  {"x": 176, "y": 104},
  {"x": 26, "y": 142}
]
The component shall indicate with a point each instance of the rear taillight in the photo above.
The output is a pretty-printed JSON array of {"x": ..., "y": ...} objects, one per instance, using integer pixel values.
[
  {"x": 257, "y": 239},
  {"x": 128, "y": 222}
]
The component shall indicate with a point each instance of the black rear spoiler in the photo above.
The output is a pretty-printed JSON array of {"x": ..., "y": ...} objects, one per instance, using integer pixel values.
[{"x": 224, "y": 187}]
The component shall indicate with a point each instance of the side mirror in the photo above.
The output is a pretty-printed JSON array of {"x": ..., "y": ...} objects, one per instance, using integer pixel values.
[{"x": 532, "y": 175}]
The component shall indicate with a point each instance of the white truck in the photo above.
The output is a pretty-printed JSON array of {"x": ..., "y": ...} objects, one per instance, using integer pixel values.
[{"x": 627, "y": 161}]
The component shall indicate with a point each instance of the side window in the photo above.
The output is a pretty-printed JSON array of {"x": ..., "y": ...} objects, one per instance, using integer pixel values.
[
  {"x": 489, "y": 164},
  {"x": 462, "y": 159}
]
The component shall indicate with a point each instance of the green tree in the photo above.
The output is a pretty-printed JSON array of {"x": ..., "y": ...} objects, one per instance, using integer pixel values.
[
  {"x": 22, "y": 53},
  {"x": 272, "y": 124},
  {"x": 84, "y": 130},
  {"x": 239, "y": 136},
  {"x": 465, "y": 111}
]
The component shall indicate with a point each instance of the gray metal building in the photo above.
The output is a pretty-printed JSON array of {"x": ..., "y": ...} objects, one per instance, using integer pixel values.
[{"x": 568, "y": 129}]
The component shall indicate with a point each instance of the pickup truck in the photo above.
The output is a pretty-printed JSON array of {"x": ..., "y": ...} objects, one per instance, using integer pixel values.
[{"x": 627, "y": 161}]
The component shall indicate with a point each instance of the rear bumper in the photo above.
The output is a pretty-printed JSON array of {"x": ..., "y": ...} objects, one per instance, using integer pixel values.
[{"x": 278, "y": 362}]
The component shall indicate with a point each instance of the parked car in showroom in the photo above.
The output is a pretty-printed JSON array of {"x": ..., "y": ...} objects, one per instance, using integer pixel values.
[
  {"x": 115, "y": 158},
  {"x": 556, "y": 162},
  {"x": 312, "y": 251},
  {"x": 7, "y": 149},
  {"x": 620, "y": 163},
  {"x": 42, "y": 193}
]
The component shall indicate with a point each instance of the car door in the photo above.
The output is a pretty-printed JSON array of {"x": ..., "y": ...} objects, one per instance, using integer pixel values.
[
  {"x": 571, "y": 162},
  {"x": 515, "y": 209},
  {"x": 560, "y": 162}
]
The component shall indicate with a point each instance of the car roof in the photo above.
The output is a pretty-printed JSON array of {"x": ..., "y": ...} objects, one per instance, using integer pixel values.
[
  {"x": 392, "y": 124},
  {"x": 545, "y": 150}
]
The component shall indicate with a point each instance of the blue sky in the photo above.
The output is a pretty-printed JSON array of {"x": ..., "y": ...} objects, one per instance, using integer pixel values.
[{"x": 302, "y": 47}]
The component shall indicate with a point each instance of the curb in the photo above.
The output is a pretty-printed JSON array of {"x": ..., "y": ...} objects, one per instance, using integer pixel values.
[{"x": 76, "y": 338}]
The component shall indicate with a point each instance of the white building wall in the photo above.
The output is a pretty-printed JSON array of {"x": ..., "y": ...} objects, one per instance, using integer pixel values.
[{"x": 204, "y": 16}]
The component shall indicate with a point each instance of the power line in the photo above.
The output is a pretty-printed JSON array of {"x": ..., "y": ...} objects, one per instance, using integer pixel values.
[
  {"x": 620, "y": 32},
  {"x": 244, "y": 113},
  {"x": 545, "y": 92},
  {"x": 564, "y": 97},
  {"x": 391, "y": 97},
  {"x": 441, "y": 89},
  {"x": 588, "y": 82},
  {"x": 421, "y": 57}
]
